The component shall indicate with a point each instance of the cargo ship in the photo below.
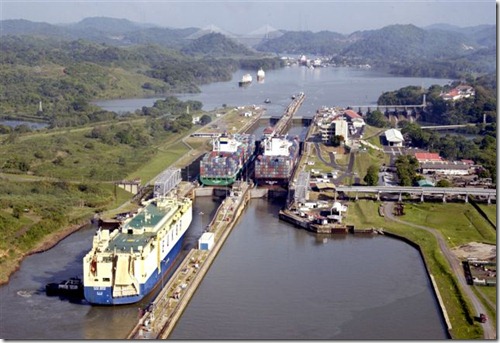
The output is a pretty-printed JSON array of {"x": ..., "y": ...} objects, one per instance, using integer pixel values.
[
  {"x": 276, "y": 164},
  {"x": 245, "y": 80},
  {"x": 125, "y": 264},
  {"x": 229, "y": 156}
]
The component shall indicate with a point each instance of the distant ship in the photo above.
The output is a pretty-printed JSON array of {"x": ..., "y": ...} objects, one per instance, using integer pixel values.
[
  {"x": 245, "y": 80},
  {"x": 317, "y": 63},
  {"x": 126, "y": 264},
  {"x": 261, "y": 75},
  {"x": 229, "y": 156},
  {"x": 276, "y": 164}
]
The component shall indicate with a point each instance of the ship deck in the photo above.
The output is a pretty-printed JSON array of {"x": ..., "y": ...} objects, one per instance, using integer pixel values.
[
  {"x": 125, "y": 241},
  {"x": 150, "y": 217}
]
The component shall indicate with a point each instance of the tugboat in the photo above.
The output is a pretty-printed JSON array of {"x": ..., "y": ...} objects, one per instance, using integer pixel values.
[
  {"x": 245, "y": 80},
  {"x": 71, "y": 288}
]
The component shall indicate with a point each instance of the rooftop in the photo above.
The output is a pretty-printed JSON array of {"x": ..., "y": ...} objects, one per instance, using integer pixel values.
[
  {"x": 394, "y": 135},
  {"x": 427, "y": 156}
]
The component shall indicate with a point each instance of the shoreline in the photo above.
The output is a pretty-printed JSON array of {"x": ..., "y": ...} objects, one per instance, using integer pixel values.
[{"x": 48, "y": 243}]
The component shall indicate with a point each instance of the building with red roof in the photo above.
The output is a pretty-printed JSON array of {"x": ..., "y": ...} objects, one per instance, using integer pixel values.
[
  {"x": 428, "y": 157},
  {"x": 352, "y": 114}
]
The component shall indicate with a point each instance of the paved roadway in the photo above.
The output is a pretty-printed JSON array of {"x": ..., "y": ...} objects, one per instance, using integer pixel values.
[{"x": 489, "y": 330}]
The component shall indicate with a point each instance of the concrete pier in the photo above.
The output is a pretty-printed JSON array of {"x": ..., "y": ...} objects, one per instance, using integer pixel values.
[{"x": 286, "y": 119}]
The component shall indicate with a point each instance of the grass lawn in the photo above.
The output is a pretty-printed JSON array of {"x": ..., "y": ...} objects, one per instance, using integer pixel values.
[
  {"x": 371, "y": 134},
  {"x": 363, "y": 160},
  {"x": 490, "y": 210},
  {"x": 464, "y": 226},
  {"x": 163, "y": 158}
]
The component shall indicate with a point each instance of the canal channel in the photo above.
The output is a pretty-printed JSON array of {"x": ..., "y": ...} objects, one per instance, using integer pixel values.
[{"x": 270, "y": 281}]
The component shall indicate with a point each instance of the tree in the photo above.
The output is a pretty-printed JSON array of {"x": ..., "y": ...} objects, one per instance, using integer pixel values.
[
  {"x": 376, "y": 118},
  {"x": 443, "y": 183},
  {"x": 337, "y": 140},
  {"x": 205, "y": 119},
  {"x": 371, "y": 177},
  {"x": 406, "y": 169}
]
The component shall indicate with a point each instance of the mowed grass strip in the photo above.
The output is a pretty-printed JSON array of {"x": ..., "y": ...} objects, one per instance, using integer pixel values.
[
  {"x": 460, "y": 223},
  {"x": 490, "y": 211},
  {"x": 163, "y": 159}
]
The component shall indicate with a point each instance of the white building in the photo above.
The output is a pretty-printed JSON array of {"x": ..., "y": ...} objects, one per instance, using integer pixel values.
[
  {"x": 394, "y": 137},
  {"x": 446, "y": 168},
  {"x": 354, "y": 118},
  {"x": 336, "y": 127},
  {"x": 206, "y": 241}
]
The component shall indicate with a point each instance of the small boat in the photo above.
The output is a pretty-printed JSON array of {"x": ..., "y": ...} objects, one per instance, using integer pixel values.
[
  {"x": 267, "y": 101},
  {"x": 71, "y": 288}
]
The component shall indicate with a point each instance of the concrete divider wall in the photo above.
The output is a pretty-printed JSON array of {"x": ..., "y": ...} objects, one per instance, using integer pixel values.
[
  {"x": 166, "y": 311},
  {"x": 167, "y": 329},
  {"x": 203, "y": 191}
]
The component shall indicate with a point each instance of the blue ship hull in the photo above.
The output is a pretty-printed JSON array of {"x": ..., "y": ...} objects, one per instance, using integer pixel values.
[{"x": 104, "y": 295}]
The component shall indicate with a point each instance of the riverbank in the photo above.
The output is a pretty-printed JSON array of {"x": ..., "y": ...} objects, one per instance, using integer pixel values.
[
  {"x": 38, "y": 193},
  {"x": 47, "y": 243}
]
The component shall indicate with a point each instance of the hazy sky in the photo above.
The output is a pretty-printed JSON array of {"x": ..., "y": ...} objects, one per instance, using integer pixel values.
[{"x": 343, "y": 16}]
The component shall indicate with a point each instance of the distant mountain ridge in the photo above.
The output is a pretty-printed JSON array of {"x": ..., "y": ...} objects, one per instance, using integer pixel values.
[
  {"x": 391, "y": 45},
  {"x": 125, "y": 32}
]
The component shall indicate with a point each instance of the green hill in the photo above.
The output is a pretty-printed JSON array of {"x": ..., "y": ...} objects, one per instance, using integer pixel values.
[{"x": 216, "y": 45}]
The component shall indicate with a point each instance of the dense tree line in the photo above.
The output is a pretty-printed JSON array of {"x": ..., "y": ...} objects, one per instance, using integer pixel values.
[
  {"x": 475, "y": 109},
  {"x": 407, "y": 170},
  {"x": 377, "y": 119},
  {"x": 216, "y": 45},
  {"x": 446, "y": 112},
  {"x": 482, "y": 150},
  {"x": 168, "y": 115},
  {"x": 67, "y": 75}
]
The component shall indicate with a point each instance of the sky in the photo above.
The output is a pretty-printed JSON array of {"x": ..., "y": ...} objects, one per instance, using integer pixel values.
[{"x": 243, "y": 17}]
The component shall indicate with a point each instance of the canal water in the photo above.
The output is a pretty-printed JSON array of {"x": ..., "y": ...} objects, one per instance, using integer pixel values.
[
  {"x": 273, "y": 281},
  {"x": 27, "y": 313},
  {"x": 270, "y": 280}
]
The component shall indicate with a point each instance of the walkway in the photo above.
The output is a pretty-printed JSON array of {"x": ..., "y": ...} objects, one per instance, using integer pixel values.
[{"x": 489, "y": 330}]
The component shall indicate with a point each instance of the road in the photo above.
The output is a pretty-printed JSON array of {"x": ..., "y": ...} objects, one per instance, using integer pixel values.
[{"x": 489, "y": 330}]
